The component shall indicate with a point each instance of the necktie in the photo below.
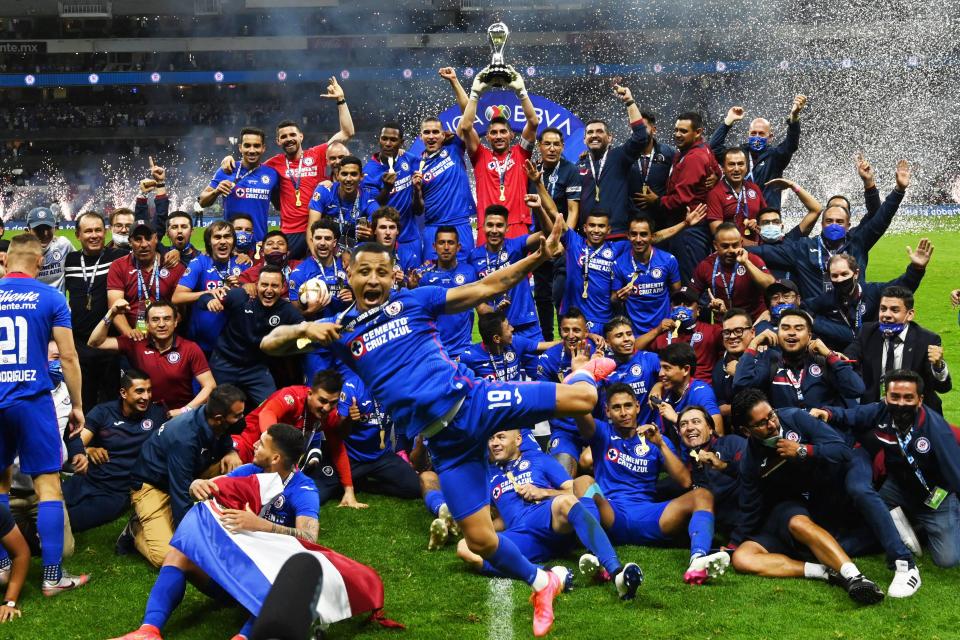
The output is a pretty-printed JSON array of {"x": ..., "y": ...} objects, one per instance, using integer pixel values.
[{"x": 890, "y": 365}]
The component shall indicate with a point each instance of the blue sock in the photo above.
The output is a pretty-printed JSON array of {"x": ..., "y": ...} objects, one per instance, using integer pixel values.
[
  {"x": 5, "y": 561},
  {"x": 247, "y": 627},
  {"x": 50, "y": 528},
  {"x": 165, "y": 596},
  {"x": 434, "y": 500},
  {"x": 510, "y": 562},
  {"x": 593, "y": 537},
  {"x": 701, "y": 532}
]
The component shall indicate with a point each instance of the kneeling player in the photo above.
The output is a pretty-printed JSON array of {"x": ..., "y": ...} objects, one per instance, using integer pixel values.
[
  {"x": 534, "y": 497},
  {"x": 627, "y": 460}
]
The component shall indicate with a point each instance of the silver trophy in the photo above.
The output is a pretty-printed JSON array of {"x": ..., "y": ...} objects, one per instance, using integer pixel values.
[{"x": 498, "y": 74}]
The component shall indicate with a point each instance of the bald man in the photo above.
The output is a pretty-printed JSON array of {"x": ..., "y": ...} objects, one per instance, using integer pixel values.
[{"x": 764, "y": 160}]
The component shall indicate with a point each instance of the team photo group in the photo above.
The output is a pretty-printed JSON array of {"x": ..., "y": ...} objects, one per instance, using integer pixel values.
[{"x": 557, "y": 355}]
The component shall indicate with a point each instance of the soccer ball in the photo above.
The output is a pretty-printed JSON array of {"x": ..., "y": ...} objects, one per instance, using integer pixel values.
[{"x": 312, "y": 291}]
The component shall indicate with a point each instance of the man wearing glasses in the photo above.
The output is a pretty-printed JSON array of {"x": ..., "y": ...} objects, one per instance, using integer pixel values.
[{"x": 736, "y": 334}]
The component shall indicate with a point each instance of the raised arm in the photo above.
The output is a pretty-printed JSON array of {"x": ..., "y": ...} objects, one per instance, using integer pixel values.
[
  {"x": 335, "y": 92},
  {"x": 99, "y": 338},
  {"x": 466, "y": 130},
  {"x": 529, "y": 133}
]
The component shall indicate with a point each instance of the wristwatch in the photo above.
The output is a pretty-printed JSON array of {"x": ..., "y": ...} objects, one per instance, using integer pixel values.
[
  {"x": 802, "y": 452},
  {"x": 10, "y": 603}
]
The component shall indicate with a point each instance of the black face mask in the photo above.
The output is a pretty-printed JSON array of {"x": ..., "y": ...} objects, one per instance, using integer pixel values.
[
  {"x": 903, "y": 415},
  {"x": 845, "y": 287},
  {"x": 276, "y": 258}
]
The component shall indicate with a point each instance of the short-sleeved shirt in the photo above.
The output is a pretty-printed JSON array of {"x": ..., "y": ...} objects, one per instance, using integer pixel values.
[
  {"x": 203, "y": 274},
  {"x": 299, "y": 497},
  {"x": 447, "y": 198},
  {"x": 596, "y": 305},
  {"x": 487, "y": 169},
  {"x": 251, "y": 195},
  {"x": 327, "y": 202},
  {"x": 522, "y": 310},
  {"x": 455, "y": 329},
  {"x": 626, "y": 468},
  {"x": 334, "y": 275},
  {"x": 303, "y": 175},
  {"x": 698, "y": 393},
  {"x": 731, "y": 283},
  {"x": 707, "y": 342},
  {"x": 7, "y": 523},
  {"x": 505, "y": 366},
  {"x": 154, "y": 283},
  {"x": 538, "y": 470},
  {"x": 29, "y": 311},
  {"x": 649, "y": 301},
  {"x": 248, "y": 321},
  {"x": 122, "y": 436},
  {"x": 171, "y": 372},
  {"x": 54, "y": 259},
  {"x": 641, "y": 371},
  {"x": 726, "y": 205}
]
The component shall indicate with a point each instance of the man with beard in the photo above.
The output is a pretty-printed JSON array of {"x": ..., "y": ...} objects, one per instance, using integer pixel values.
[
  {"x": 455, "y": 330},
  {"x": 85, "y": 280},
  {"x": 141, "y": 280},
  {"x": 684, "y": 326},
  {"x": 180, "y": 230},
  {"x": 764, "y": 162},
  {"x": 921, "y": 459},
  {"x": 344, "y": 202},
  {"x": 652, "y": 169},
  {"x": 389, "y": 173},
  {"x": 693, "y": 166},
  {"x": 736, "y": 198},
  {"x": 839, "y": 316},
  {"x": 274, "y": 251},
  {"x": 797, "y": 370},
  {"x": 237, "y": 358},
  {"x": 42, "y": 222},
  {"x": 807, "y": 258},
  {"x": 216, "y": 272},
  {"x": 737, "y": 332},
  {"x": 325, "y": 265},
  {"x": 175, "y": 363},
  {"x": 731, "y": 276},
  {"x": 499, "y": 169},
  {"x": 250, "y": 188}
]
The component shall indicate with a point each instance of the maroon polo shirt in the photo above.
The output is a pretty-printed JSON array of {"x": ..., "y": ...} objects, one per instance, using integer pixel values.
[
  {"x": 171, "y": 372},
  {"x": 122, "y": 276},
  {"x": 724, "y": 205},
  {"x": 707, "y": 345},
  {"x": 719, "y": 278}
]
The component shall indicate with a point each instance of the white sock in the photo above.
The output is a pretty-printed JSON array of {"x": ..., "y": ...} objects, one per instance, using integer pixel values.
[
  {"x": 849, "y": 570},
  {"x": 814, "y": 571},
  {"x": 541, "y": 581}
]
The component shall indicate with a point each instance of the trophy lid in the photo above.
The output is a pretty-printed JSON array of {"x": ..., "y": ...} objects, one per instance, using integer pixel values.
[{"x": 498, "y": 32}]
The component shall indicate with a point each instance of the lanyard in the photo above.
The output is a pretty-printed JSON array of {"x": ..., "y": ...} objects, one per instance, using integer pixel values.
[
  {"x": 796, "y": 382},
  {"x": 749, "y": 175},
  {"x": 824, "y": 273},
  {"x": 229, "y": 271},
  {"x": 636, "y": 268},
  {"x": 502, "y": 174},
  {"x": 904, "y": 443},
  {"x": 492, "y": 266},
  {"x": 143, "y": 291},
  {"x": 237, "y": 178},
  {"x": 743, "y": 211},
  {"x": 598, "y": 173},
  {"x": 552, "y": 180},
  {"x": 587, "y": 257},
  {"x": 493, "y": 365},
  {"x": 645, "y": 166},
  {"x": 93, "y": 275},
  {"x": 857, "y": 316},
  {"x": 323, "y": 271},
  {"x": 426, "y": 157},
  {"x": 717, "y": 271},
  {"x": 296, "y": 183}
]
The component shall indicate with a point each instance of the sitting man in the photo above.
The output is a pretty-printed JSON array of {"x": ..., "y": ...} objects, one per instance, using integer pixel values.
[
  {"x": 500, "y": 353},
  {"x": 627, "y": 459},
  {"x": 787, "y": 479},
  {"x": 534, "y": 497},
  {"x": 295, "y": 513},
  {"x": 677, "y": 389},
  {"x": 638, "y": 369},
  {"x": 113, "y": 436},
  {"x": 737, "y": 333}
]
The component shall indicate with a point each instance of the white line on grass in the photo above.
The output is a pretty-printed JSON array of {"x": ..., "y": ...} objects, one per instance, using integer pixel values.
[{"x": 500, "y": 609}]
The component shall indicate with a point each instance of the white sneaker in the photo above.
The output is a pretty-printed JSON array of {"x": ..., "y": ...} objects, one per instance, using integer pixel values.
[
  {"x": 907, "y": 534},
  {"x": 905, "y": 581},
  {"x": 702, "y": 568},
  {"x": 438, "y": 534},
  {"x": 588, "y": 565},
  {"x": 565, "y": 575}
]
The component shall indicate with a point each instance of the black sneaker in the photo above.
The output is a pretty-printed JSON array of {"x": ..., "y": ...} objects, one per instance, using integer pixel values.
[
  {"x": 834, "y": 578},
  {"x": 125, "y": 543},
  {"x": 862, "y": 590}
]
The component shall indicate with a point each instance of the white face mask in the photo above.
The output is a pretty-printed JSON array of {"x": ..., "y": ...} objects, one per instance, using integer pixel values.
[
  {"x": 771, "y": 232},
  {"x": 121, "y": 239}
]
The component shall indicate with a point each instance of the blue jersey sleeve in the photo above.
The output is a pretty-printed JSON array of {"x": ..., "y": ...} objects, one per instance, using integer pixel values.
[
  {"x": 319, "y": 198},
  {"x": 553, "y": 471},
  {"x": 705, "y": 397},
  {"x": 348, "y": 394},
  {"x": 194, "y": 272},
  {"x": 524, "y": 347},
  {"x": 673, "y": 270},
  {"x": 245, "y": 470},
  {"x": 219, "y": 177},
  {"x": 304, "y": 498},
  {"x": 61, "y": 314},
  {"x": 432, "y": 299}
]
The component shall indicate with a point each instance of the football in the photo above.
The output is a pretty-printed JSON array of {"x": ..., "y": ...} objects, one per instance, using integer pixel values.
[{"x": 312, "y": 291}]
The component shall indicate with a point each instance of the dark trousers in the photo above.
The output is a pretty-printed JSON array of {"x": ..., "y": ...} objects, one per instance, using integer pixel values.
[
  {"x": 690, "y": 246},
  {"x": 100, "y": 375},
  {"x": 91, "y": 506},
  {"x": 388, "y": 475},
  {"x": 255, "y": 381},
  {"x": 543, "y": 297}
]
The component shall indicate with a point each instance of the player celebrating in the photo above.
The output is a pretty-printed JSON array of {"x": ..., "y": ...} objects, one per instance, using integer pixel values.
[
  {"x": 388, "y": 336},
  {"x": 31, "y": 313}
]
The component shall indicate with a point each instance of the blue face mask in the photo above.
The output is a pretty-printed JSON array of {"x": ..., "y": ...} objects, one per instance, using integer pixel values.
[
  {"x": 780, "y": 308},
  {"x": 55, "y": 368},
  {"x": 244, "y": 241},
  {"x": 684, "y": 317},
  {"x": 757, "y": 143},
  {"x": 771, "y": 232},
  {"x": 834, "y": 232},
  {"x": 890, "y": 329}
]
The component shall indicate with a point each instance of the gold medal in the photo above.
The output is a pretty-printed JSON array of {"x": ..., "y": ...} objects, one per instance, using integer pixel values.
[
  {"x": 503, "y": 197},
  {"x": 298, "y": 197},
  {"x": 383, "y": 441},
  {"x": 596, "y": 189},
  {"x": 585, "y": 286},
  {"x": 141, "y": 325},
  {"x": 89, "y": 303}
]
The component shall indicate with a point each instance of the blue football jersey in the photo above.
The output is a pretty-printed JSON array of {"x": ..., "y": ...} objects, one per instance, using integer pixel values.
[
  {"x": 401, "y": 196},
  {"x": 203, "y": 274},
  {"x": 596, "y": 306},
  {"x": 335, "y": 276},
  {"x": 641, "y": 371},
  {"x": 299, "y": 497},
  {"x": 553, "y": 365},
  {"x": 363, "y": 442},
  {"x": 29, "y": 310},
  {"x": 539, "y": 470},
  {"x": 649, "y": 301},
  {"x": 456, "y": 329},
  {"x": 326, "y": 201},
  {"x": 522, "y": 310},
  {"x": 251, "y": 195},
  {"x": 625, "y": 468},
  {"x": 447, "y": 198},
  {"x": 505, "y": 366}
]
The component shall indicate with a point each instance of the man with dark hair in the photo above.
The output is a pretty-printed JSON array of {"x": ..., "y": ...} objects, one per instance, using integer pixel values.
[
  {"x": 169, "y": 460},
  {"x": 652, "y": 169},
  {"x": 796, "y": 369},
  {"x": 140, "y": 279},
  {"x": 384, "y": 229},
  {"x": 605, "y": 169},
  {"x": 678, "y": 389},
  {"x": 897, "y": 342},
  {"x": 175, "y": 363},
  {"x": 636, "y": 368},
  {"x": 42, "y": 221},
  {"x": 346, "y": 202},
  {"x": 499, "y": 169},
  {"x": 736, "y": 198},
  {"x": 250, "y": 188},
  {"x": 731, "y": 276},
  {"x": 180, "y": 231},
  {"x": 85, "y": 280},
  {"x": 237, "y": 357},
  {"x": 499, "y": 354},
  {"x": 274, "y": 251},
  {"x": 838, "y": 316},
  {"x": 389, "y": 173},
  {"x": 121, "y": 222},
  {"x": 113, "y": 436},
  {"x": 323, "y": 265},
  {"x": 764, "y": 162},
  {"x": 456, "y": 330},
  {"x": 684, "y": 325},
  {"x": 736, "y": 333},
  {"x": 788, "y": 478},
  {"x": 243, "y": 231},
  {"x": 922, "y": 464}
]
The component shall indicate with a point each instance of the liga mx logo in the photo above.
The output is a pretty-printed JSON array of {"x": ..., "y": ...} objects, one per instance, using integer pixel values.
[{"x": 497, "y": 111}]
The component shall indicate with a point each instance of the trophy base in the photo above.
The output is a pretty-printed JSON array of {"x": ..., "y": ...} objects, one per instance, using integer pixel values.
[{"x": 497, "y": 76}]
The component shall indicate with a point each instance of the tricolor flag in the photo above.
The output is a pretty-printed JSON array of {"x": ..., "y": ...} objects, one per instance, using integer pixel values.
[{"x": 246, "y": 563}]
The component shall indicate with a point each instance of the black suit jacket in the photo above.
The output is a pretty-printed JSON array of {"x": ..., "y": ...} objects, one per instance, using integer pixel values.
[{"x": 867, "y": 350}]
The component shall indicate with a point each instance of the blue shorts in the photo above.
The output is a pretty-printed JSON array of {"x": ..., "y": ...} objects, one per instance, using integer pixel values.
[
  {"x": 459, "y": 452},
  {"x": 465, "y": 233},
  {"x": 637, "y": 523},
  {"x": 30, "y": 429},
  {"x": 567, "y": 443}
]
